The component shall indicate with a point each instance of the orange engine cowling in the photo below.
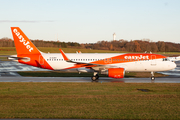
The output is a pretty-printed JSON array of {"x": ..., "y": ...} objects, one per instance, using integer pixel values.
[{"x": 116, "y": 72}]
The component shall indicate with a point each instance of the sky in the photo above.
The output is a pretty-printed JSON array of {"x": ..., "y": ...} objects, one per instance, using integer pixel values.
[{"x": 89, "y": 21}]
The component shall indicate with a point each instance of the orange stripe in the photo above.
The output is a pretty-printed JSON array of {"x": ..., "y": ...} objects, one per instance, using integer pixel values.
[
  {"x": 128, "y": 58},
  {"x": 125, "y": 58}
]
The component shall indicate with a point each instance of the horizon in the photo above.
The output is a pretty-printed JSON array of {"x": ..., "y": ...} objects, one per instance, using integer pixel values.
[{"x": 150, "y": 41}]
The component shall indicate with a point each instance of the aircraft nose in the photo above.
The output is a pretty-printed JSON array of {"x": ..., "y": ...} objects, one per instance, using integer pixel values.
[{"x": 173, "y": 65}]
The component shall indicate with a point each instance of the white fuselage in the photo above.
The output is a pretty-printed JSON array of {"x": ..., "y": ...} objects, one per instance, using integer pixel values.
[{"x": 57, "y": 62}]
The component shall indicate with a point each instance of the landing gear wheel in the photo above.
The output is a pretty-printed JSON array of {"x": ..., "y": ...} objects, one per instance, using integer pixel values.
[
  {"x": 152, "y": 78},
  {"x": 96, "y": 77}
]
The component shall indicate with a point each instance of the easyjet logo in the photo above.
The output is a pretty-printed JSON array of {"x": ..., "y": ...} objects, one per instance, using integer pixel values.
[
  {"x": 136, "y": 57},
  {"x": 22, "y": 40}
]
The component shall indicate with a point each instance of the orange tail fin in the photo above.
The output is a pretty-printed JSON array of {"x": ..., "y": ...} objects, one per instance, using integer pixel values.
[{"x": 22, "y": 43}]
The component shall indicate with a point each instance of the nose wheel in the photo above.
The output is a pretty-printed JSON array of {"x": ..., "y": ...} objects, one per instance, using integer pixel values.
[{"x": 152, "y": 77}]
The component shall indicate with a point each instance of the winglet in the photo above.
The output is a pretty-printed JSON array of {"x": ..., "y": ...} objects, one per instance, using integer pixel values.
[{"x": 64, "y": 56}]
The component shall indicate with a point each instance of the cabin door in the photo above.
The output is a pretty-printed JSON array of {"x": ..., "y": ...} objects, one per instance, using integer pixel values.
[
  {"x": 41, "y": 60},
  {"x": 153, "y": 60}
]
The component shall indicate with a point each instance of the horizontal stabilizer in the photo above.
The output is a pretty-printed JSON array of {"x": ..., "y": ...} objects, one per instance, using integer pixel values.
[{"x": 14, "y": 57}]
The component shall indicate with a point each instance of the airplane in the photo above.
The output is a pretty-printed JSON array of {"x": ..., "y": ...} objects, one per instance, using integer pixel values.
[{"x": 112, "y": 64}]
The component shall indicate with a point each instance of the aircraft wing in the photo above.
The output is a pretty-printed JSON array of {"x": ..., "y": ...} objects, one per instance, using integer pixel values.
[
  {"x": 68, "y": 60},
  {"x": 83, "y": 64}
]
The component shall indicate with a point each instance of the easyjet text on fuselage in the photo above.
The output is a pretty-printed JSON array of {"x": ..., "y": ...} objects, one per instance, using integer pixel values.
[{"x": 136, "y": 57}]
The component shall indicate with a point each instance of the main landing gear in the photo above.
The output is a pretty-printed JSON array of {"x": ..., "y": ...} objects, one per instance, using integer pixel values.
[
  {"x": 95, "y": 76},
  {"x": 152, "y": 77}
]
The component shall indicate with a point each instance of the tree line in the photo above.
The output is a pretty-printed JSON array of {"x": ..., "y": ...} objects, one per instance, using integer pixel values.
[
  {"x": 135, "y": 46},
  {"x": 114, "y": 45}
]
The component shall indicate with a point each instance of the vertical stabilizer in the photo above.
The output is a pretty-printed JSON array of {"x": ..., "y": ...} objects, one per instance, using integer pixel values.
[{"x": 22, "y": 43}]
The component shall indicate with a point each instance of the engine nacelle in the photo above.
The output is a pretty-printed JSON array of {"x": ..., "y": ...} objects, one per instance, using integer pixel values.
[{"x": 116, "y": 72}]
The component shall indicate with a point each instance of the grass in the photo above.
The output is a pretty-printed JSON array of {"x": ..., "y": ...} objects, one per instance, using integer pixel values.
[
  {"x": 75, "y": 74},
  {"x": 7, "y": 51},
  {"x": 12, "y": 51},
  {"x": 90, "y": 100},
  {"x": 73, "y": 50}
]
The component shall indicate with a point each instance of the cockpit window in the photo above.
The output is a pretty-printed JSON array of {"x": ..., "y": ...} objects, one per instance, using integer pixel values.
[{"x": 165, "y": 59}]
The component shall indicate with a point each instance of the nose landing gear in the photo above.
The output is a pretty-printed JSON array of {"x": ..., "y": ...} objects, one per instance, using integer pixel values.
[{"x": 152, "y": 77}]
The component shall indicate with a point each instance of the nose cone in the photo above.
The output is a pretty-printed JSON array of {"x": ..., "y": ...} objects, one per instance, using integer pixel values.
[{"x": 172, "y": 65}]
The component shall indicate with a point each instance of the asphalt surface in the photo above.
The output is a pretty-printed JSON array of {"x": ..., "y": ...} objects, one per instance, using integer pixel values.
[{"x": 88, "y": 79}]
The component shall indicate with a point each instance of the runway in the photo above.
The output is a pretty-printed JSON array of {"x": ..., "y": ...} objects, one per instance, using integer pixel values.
[{"x": 87, "y": 79}]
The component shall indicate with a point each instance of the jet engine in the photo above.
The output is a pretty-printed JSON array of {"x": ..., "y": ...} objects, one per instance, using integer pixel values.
[{"x": 116, "y": 72}]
